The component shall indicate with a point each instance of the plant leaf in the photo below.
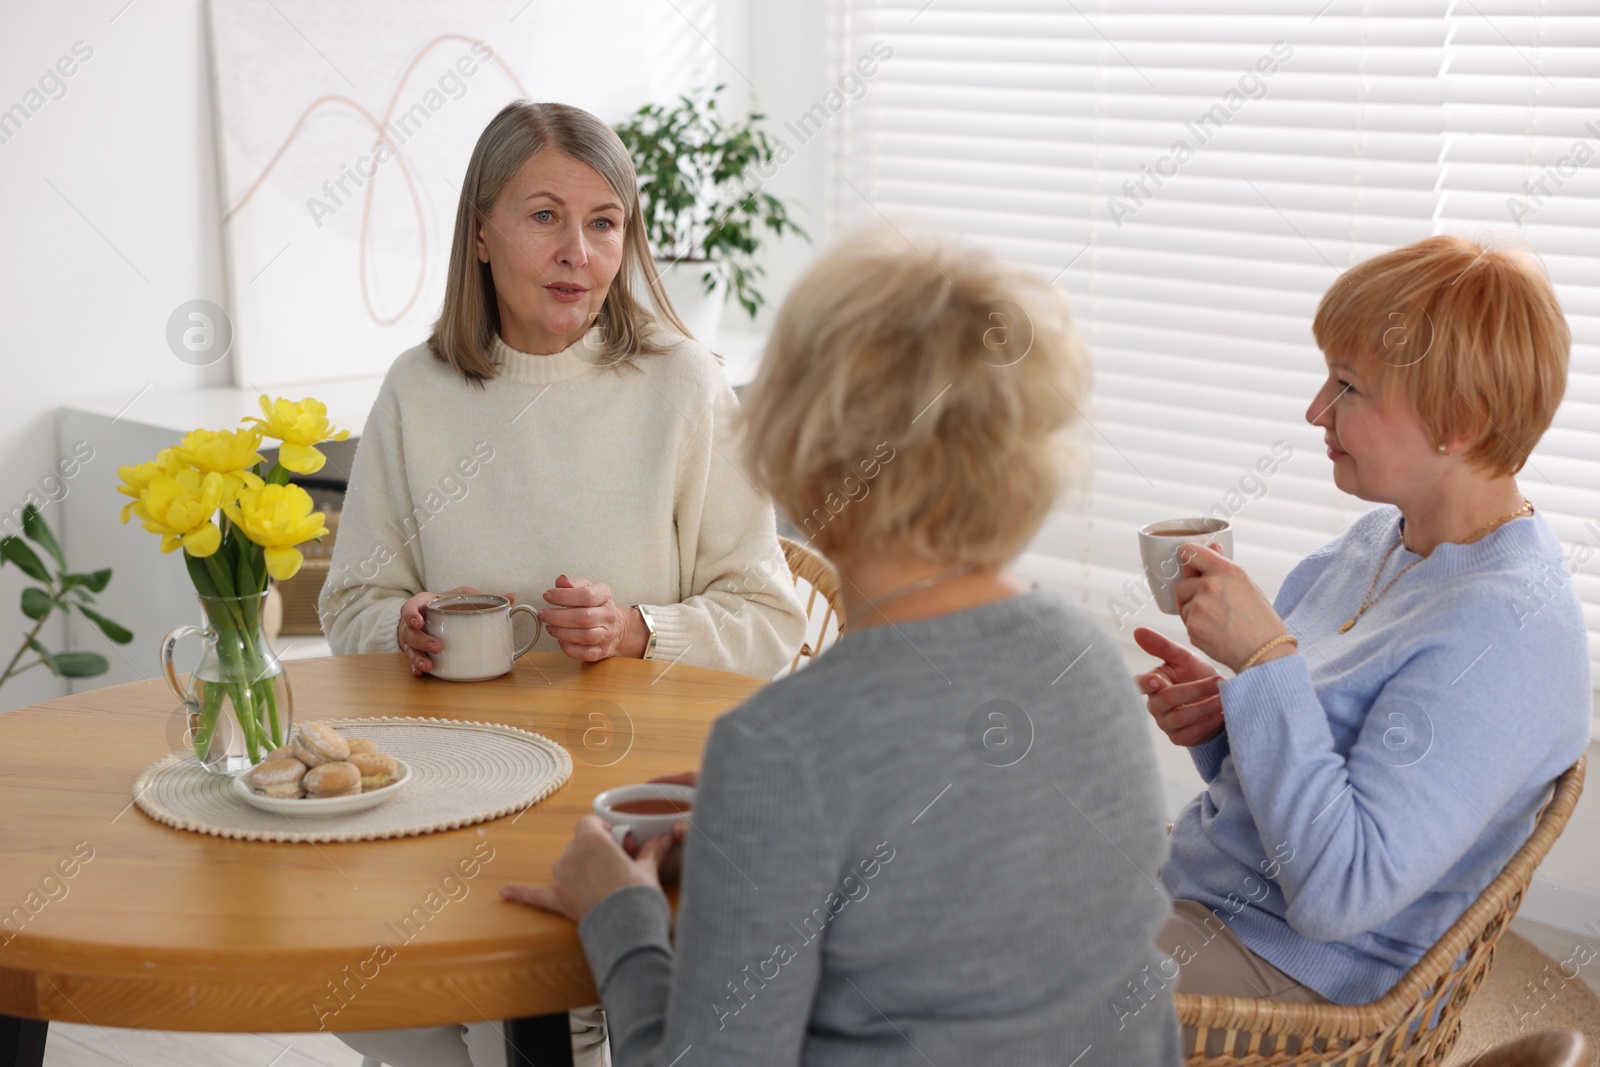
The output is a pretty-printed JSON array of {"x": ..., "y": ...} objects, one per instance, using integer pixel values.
[
  {"x": 93, "y": 582},
  {"x": 36, "y": 603},
  {"x": 44, "y": 653},
  {"x": 38, "y": 531},
  {"x": 16, "y": 550},
  {"x": 80, "y": 664},
  {"x": 118, "y": 633}
]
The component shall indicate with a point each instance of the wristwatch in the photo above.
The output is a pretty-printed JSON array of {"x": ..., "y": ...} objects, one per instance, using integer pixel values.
[{"x": 650, "y": 632}]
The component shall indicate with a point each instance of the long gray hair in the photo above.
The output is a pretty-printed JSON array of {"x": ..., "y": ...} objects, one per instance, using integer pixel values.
[{"x": 464, "y": 335}]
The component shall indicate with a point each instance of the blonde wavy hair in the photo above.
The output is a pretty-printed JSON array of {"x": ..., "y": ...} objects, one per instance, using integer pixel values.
[
  {"x": 912, "y": 400},
  {"x": 464, "y": 335}
]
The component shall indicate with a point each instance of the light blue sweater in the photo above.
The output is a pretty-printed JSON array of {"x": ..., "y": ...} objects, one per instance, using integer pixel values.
[{"x": 1382, "y": 777}]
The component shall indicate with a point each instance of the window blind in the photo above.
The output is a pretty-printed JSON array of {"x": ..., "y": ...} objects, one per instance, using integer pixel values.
[{"x": 1194, "y": 176}]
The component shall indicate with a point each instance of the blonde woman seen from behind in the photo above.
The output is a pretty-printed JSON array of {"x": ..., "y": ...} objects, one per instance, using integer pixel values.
[{"x": 936, "y": 843}]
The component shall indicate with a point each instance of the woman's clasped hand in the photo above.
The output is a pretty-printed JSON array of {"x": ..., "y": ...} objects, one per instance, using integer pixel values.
[
  {"x": 584, "y": 619},
  {"x": 589, "y": 624}
]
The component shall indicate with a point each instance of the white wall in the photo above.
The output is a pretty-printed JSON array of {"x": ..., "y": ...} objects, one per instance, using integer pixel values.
[
  {"x": 773, "y": 54},
  {"x": 86, "y": 286}
]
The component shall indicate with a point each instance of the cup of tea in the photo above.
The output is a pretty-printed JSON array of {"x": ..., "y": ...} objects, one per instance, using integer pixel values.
[
  {"x": 475, "y": 632},
  {"x": 1159, "y": 543},
  {"x": 644, "y": 810}
]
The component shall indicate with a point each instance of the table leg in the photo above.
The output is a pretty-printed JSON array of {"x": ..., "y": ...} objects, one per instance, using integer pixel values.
[
  {"x": 22, "y": 1042},
  {"x": 533, "y": 1041}
]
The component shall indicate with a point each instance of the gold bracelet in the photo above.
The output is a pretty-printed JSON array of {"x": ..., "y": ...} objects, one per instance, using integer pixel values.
[{"x": 1268, "y": 647}]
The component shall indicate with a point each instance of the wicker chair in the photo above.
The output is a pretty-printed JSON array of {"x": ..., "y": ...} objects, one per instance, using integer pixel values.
[
  {"x": 1415, "y": 1023},
  {"x": 823, "y": 581}
]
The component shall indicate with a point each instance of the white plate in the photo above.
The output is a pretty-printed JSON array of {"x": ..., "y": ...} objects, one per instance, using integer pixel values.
[{"x": 322, "y": 805}]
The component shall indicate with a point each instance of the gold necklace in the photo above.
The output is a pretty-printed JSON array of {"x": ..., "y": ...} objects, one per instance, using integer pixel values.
[{"x": 1369, "y": 600}]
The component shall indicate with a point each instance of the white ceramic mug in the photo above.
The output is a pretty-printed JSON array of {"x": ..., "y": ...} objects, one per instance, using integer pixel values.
[
  {"x": 475, "y": 632},
  {"x": 1159, "y": 543},
  {"x": 663, "y": 806}
]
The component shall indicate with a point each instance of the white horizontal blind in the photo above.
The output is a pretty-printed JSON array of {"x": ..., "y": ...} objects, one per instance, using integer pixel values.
[
  {"x": 1522, "y": 109},
  {"x": 1195, "y": 176}
]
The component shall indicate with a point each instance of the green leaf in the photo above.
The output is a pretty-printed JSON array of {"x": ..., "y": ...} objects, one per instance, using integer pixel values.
[
  {"x": 36, "y": 603},
  {"x": 16, "y": 550},
  {"x": 44, "y": 653},
  {"x": 120, "y": 634},
  {"x": 93, "y": 582},
  {"x": 38, "y": 531},
  {"x": 80, "y": 664}
]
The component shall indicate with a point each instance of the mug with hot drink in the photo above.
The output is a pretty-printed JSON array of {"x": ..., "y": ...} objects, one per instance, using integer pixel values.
[
  {"x": 1159, "y": 544},
  {"x": 645, "y": 810},
  {"x": 474, "y": 630}
]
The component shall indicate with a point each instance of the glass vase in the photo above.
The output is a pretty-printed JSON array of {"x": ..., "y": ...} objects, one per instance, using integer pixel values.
[{"x": 238, "y": 698}]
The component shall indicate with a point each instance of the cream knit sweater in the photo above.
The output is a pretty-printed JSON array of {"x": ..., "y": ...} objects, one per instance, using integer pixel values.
[{"x": 618, "y": 474}]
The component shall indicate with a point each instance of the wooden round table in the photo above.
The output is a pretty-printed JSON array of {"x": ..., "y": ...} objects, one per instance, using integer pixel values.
[{"x": 164, "y": 929}]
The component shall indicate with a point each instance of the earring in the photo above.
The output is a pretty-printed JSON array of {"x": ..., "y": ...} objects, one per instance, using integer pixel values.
[{"x": 1442, "y": 452}]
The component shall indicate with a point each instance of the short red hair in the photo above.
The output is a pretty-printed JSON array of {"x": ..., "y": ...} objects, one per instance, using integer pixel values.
[{"x": 1472, "y": 333}]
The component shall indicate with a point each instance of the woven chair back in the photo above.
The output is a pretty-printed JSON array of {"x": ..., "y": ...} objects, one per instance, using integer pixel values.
[
  {"x": 818, "y": 585},
  {"x": 1418, "y": 1021}
]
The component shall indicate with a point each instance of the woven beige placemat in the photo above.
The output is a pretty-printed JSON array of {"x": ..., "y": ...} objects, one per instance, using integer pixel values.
[{"x": 462, "y": 773}]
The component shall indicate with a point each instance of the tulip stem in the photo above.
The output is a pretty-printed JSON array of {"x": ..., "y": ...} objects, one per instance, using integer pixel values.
[
  {"x": 211, "y": 694},
  {"x": 220, "y": 577},
  {"x": 199, "y": 576},
  {"x": 269, "y": 697}
]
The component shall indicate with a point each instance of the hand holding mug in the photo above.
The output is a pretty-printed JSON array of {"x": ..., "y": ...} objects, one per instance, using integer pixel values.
[
  {"x": 639, "y": 814},
  {"x": 591, "y": 868},
  {"x": 1227, "y": 617},
  {"x": 468, "y": 636},
  {"x": 1161, "y": 542},
  {"x": 414, "y": 641},
  {"x": 587, "y": 622},
  {"x": 688, "y": 778}
]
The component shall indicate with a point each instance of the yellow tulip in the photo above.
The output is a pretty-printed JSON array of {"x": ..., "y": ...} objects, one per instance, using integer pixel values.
[
  {"x": 221, "y": 451},
  {"x": 277, "y": 517},
  {"x": 236, "y": 482},
  {"x": 300, "y": 426},
  {"x": 138, "y": 477},
  {"x": 179, "y": 508}
]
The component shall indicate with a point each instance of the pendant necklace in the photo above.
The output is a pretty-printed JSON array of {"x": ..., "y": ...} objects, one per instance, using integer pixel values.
[{"x": 1369, "y": 600}]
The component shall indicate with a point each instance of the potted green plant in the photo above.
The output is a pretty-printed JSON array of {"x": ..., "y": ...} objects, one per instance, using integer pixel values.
[{"x": 703, "y": 206}]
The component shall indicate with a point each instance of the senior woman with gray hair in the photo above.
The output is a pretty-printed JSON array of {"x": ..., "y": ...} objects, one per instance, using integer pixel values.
[
  {"x": 937, "y": 843},
  {"x": 553, "y": 432}
]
